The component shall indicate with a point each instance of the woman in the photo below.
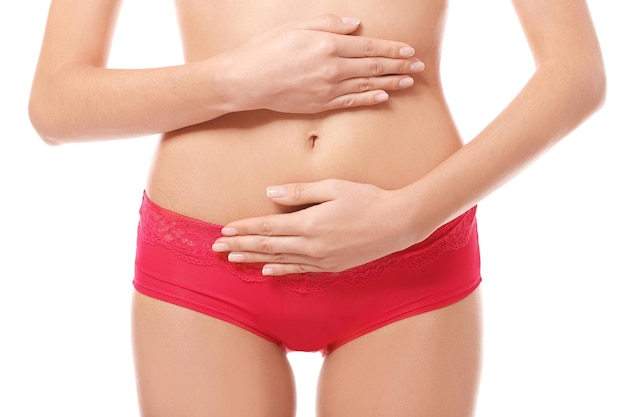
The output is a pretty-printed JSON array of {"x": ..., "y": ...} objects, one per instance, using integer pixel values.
[{"x": 379, "y": 193}]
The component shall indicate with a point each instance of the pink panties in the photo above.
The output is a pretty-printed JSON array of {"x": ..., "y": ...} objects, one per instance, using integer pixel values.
[{"x": 305, "y": 312}]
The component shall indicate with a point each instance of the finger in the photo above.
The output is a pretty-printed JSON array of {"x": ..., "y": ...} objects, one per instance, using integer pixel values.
[
  {"x": 285, "y": 269},
  {"x": 287, "y": 224},
  {"x": 354, "y": 46},
  {"x": 260, "y": 245},
  {"x": 264, "y": 258},
  {"x": 367, "y": 91},
  {"x": 377, "y": 67},
  {"x": 365, "y": 84},
  {"x": 357, "y": 99},
  {"x": 362, "y": 47},
  {"x": 297, "y": 194},
  {"x": 328, "y": 23}
]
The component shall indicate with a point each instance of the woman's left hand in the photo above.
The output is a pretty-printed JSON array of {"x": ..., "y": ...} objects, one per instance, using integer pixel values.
[{"x": 347, "y": 224}]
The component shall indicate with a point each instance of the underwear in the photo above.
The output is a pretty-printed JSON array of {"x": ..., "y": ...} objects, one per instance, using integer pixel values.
[{"x": 302, "y": 312}]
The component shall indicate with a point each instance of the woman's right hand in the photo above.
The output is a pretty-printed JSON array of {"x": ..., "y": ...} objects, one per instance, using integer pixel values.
[
  {"x": 314, "y": 64},
  {"x": 305, "y": 66}
]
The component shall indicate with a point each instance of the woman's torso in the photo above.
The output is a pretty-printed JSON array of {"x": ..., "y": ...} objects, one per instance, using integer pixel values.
[{"x": 218, "y": 171}]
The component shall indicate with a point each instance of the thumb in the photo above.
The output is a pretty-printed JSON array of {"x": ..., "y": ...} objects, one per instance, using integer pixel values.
[
  {"x": 330, "y": 23},
  {"x": 302, "y": 193}
]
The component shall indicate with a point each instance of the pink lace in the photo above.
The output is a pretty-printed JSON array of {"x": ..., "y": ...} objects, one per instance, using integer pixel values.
[{"x": 191, "y": 240}]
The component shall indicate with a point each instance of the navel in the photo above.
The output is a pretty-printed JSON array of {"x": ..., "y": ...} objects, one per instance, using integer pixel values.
[{"x": 312, "y": 140}]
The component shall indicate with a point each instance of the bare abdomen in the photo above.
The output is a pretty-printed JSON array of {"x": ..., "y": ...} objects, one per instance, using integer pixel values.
[{"x": 218, "y": 171}]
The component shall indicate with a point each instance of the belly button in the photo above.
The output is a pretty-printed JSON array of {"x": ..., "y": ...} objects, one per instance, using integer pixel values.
[{"x": 312, "y": 140}]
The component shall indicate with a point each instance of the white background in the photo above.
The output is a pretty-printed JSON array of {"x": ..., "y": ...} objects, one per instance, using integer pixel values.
[{"x": 553, "y": 239}]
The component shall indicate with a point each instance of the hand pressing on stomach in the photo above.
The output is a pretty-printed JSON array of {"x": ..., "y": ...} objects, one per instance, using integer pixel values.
[
  {"x": 304, "y": 66},
  {"x": 313, "y": 65},
  {"x": 334, "y": 234}
]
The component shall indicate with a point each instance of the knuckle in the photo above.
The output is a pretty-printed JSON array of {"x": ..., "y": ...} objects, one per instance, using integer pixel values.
[
  {"x": 365, "y": 85},
  {"x": 329, "y": 19},
  {"x": 266, "y": 228},
  {"x": 297, "y": 192},
  {"x": 321, "y": 74},
  {"x": 349, "y": 101},
  {"x": 280, "y": 258},
  {"x": 326, "y": 46},
  {"x": 368, "y": 48},
  {"x": 264, "y": 246},
  {"x": 376, "y": 67},
  {"x": 331, "y": 72}
]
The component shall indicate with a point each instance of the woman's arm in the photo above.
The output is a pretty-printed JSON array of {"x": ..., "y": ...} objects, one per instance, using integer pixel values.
[
  {"x": 345, "y": 230},
  {"x": 75, "y": 98},
  {"x": 567, "y": 87}
]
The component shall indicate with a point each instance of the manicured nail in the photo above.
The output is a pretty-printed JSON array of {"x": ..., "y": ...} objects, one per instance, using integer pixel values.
[
  {"x": 267, "y": 270},
  {"x": 417, "y": 66},
  {"x": 406, "y": 82},
  {"x": 220, "y": 247},
  {"x": 381, "y": 97},
  {"x": 407, "y": 51},
  {"x": 276, "y": 192},
  {"x": 235, "y": 257},
  {"x": 229, "y": 231},
  {"x": 351, "y": 21}
]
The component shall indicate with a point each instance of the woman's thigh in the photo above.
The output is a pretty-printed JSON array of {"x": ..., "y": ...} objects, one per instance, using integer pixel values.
[
  {"x": 426, "y": 365},
  {"x": 189, "y": 364}
]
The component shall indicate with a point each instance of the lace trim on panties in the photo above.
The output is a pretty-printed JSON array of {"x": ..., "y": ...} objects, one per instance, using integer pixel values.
[{"x": 191, "y": 240}]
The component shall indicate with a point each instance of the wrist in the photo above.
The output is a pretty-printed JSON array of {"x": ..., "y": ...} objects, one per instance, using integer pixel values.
[
  {"x": 419, "y": 212},
  {"x": 227, "y": 83}
]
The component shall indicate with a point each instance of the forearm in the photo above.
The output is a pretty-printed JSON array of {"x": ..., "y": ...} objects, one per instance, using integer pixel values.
[
  {"x": 555, "y": 100},
  {"x": 75, "y": 98},
  {"x": 79, "y": 102},
  {"x": 349, "y": 224}
]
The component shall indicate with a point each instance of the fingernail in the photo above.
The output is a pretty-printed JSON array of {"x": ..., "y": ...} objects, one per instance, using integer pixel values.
[
  {"x": 267, "y": 270},
  {"x": 229, "y": 231},
  {"x": 417, "y": 66},
  {"x": 220, "y": 247},
  {"x": 407, "y": 51},
  {"x": 381, "y": 97},
  {"x": 350, "y": 21},
  {"x": 406, "y": 82},
  {"x": 276, "y": 192},
  {"x": 235, "y": 257}
]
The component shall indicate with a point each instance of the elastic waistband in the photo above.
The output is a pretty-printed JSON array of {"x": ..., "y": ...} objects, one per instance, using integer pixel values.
[{"x": 191, "y": 240}]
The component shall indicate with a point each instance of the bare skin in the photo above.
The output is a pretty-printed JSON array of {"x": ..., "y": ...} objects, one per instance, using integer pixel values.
[
  {"x": 247, "y": 112},
  {"x": 566, "y": 87},
  {"x": 189, "y": 364}
]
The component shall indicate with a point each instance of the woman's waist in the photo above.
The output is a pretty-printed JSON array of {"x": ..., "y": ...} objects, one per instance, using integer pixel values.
[{"x": 220, "y": 174}]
